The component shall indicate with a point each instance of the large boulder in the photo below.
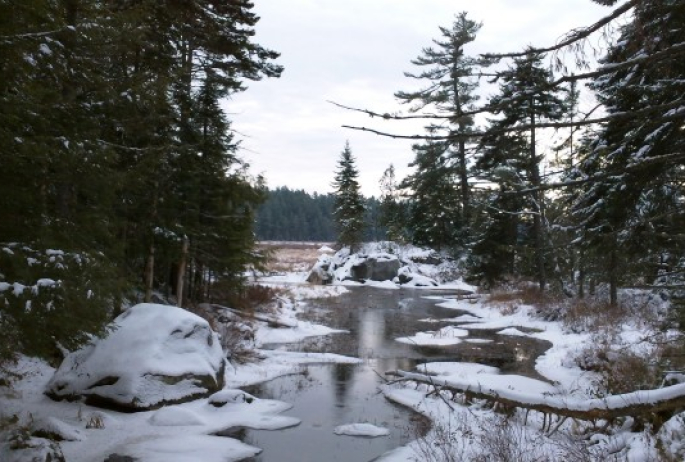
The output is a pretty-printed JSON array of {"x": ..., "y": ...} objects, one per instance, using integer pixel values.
[
  {"x": 153, "y": 355},
  {"x": 376, "y": 267},
  {"x": 320, "y": 273}
]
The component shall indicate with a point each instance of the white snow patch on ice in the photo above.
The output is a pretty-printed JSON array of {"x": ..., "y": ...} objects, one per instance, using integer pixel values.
[
  {"x": 361, "y": 429},
  {"x": 448, "y": 335}
]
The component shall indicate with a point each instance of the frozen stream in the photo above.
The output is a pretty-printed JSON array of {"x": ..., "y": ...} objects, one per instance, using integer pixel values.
[{"x": 327, "y": 396}]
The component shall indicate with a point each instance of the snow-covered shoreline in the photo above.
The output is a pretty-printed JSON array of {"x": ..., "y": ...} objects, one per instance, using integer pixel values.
[{"x": 187, "y": 430}]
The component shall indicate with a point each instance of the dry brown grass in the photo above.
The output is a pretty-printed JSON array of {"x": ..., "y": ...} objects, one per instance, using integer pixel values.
[
  {"x": 291, "y": 256},
  {"x": 508, "y": 300}
]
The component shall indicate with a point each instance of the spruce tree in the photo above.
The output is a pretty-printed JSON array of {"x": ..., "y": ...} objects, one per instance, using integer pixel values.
[
  {"x": 433, "y": 218},
  {"x": 349, "y": 203},
  {"x": 117, "y": 152},
  {"x": 391, "y": 209},
  {"x": 525, "y": 99},
  {"x": 633, "y": 210}
]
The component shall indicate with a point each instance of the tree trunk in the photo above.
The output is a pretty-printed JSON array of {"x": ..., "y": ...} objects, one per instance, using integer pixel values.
[
  {"x": 180, "y": 276},
  {"x": 149, "y": 271},
  {"x": 654, "y": 406},
  {"x": 581, "y": 274},
  {"x": 613, "y": 274},
  {"x": 538, "y": 199},
  {"x": 464, "y": 180}
]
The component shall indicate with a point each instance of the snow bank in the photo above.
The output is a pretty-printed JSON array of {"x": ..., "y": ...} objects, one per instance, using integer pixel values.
[{"x": 153, "y": 355}]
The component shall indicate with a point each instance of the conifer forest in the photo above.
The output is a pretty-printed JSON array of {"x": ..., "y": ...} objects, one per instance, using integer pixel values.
[{"x": 546, "y": 190}]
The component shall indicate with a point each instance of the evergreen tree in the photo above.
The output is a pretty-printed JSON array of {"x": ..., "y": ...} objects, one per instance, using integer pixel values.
[
  {"x": 633, "y": 209},
  {"x": 433, "y": 218},
  {"x": 349, "y": 204},
  {"x": 501, "y": 224},
  {"x": 295, "y": 215},
  {"x": 450, "y": 91},
  {"x": 115, "y": 150},
  {"x": 525, "y": 99},
  {"x": 391, "y": 209}
]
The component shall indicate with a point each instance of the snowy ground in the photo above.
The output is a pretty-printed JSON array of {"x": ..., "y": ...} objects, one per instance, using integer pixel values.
[{"x": 185, "y": 432}]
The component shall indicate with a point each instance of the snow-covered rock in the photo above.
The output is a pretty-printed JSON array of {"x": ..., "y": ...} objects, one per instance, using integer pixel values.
[
  {"x": 55, "y": 429},
  {"x": 320, "y": 273},
  {"x": 376, "y": 267},
  {"x": 153, "y": 355},
  {"x": 384, "y": 261},
  {"x": 225, "y": 397},
  {"x": 31, "y": 450},
  {"x": 361, "y": 429},
  {"x": 406, "y": 277}
]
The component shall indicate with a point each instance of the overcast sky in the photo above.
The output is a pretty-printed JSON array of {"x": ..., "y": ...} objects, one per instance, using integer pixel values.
[{"x": 355, "y": 52}]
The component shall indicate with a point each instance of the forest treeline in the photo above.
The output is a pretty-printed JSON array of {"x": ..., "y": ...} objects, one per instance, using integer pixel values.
[{"x": 296, "y": 215}]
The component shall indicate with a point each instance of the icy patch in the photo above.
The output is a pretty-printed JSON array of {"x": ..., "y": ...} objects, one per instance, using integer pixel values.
[
  {"x": 456, "y": 369},
  {"x": 449, "y": 335},
  {"x": 361, "y": 429},
  {"x": 190, "y": 448},
  {"x": 303, "y": 330}
]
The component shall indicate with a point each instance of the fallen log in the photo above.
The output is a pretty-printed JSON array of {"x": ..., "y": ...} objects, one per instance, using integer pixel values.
[
  {"x": 272, "y": 320},
  {"x": 653, "y": 406}
]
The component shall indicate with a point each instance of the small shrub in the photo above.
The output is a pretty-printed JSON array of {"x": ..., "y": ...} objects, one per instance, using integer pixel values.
[
  {"x": 51, "y": 299},
  {"x": 95, "y": 421},
  {"x": 249, "y": 298}
]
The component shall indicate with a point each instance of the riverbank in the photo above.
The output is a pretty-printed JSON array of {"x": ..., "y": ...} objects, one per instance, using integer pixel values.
[{"x": 437, "y": 333}]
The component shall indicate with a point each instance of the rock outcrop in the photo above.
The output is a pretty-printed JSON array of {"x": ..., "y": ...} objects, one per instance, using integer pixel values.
[
  {"x": 376, "y": 267},
  {"x": 152, "y": 355}
]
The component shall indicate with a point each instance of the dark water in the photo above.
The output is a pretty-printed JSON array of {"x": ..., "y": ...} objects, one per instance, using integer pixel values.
[{"x": 330, "y": 395}]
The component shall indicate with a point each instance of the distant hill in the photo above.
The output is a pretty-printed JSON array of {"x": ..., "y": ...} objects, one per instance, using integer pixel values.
[{"x": 296, "y": 215}]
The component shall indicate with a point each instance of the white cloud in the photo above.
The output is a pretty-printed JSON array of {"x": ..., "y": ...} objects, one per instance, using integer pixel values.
[{"x": 355, "y": 52}]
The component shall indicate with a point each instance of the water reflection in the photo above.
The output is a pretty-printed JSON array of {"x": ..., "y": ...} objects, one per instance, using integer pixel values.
[{"x": 330, "y": 395}]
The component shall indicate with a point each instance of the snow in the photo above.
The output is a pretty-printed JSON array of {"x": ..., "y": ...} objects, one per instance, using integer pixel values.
[
  {"x": 448, "y": 335},
  {"x": 175, "y": 417},
  {"x": 54, "y": 426},
  {"x": 145, "y": 345},
  {"x": 361, "y": 429},
  {"x": 513, "y": 332},
  {"x": 326, "y": 249},
  {"x": 189, "y": 448},
  {"x": 276, "y": 363},
  {"x": 185, "y": 432},
  {"x": 456, "y": 369},
  {"x": 382, "y": 284},
  {"x": 304, "y": 329}
]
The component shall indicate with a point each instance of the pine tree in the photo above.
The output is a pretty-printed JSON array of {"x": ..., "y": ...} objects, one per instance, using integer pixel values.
[
  {"x": 349, "y": 204},
  {"x": 450, "y": 91}
]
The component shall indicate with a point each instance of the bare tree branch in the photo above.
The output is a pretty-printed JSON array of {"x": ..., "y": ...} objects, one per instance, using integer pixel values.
[{"x": 574, "y": 36}]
